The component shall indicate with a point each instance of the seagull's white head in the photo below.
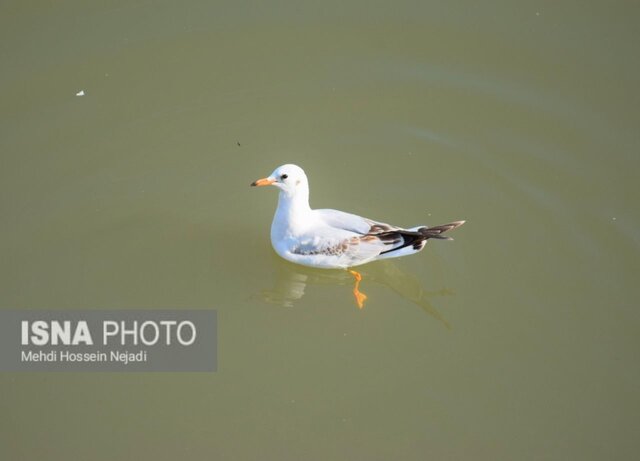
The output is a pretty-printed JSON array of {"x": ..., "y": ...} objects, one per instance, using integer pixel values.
[{"x": 290, "y": 179}]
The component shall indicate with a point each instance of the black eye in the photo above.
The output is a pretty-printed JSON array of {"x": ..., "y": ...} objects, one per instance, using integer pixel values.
[{"x": 284, "y": 176}]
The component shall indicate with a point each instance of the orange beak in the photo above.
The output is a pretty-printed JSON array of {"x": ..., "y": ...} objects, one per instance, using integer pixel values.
[{"x": 263, "y": 182}]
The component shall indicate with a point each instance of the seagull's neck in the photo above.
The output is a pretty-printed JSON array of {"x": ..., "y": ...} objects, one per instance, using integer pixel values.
[{"x": 293, "y": 209}]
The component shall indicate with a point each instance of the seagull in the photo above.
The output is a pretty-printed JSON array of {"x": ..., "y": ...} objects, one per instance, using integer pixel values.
[{"x": 332, "y": 239}]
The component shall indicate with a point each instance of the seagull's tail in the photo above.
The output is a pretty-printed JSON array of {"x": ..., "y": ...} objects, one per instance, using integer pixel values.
[
  {"x": 437, "y": 231},
  {"x": 413, "y": 240}
]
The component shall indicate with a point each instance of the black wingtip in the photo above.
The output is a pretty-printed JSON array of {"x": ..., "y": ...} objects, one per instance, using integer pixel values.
[{"x": 436, "y": 232}]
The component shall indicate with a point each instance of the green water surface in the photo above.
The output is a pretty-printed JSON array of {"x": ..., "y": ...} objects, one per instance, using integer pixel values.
[{"x": 518, "y": 340}]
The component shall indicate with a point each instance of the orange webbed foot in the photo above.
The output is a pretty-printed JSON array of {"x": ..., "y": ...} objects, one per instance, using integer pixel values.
[{"x": 360, "y": 297}]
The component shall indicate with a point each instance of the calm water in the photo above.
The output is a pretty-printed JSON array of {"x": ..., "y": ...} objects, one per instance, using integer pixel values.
[{"x": 519, "y": 340}]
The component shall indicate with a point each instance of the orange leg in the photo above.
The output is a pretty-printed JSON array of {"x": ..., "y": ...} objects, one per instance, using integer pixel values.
[{"x": 360, "y": 297}]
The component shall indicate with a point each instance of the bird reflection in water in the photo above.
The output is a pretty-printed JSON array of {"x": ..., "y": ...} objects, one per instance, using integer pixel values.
[{"x": 291, "y": 281}]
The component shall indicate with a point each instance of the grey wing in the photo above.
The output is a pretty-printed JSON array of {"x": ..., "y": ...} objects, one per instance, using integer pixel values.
[
  {"x": 353, "y": 223},
  {"x": 374, "y": 238},
  {"x": 345, "y": 246}
]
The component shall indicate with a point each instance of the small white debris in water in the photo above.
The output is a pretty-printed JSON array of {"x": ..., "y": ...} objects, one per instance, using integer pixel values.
[
  {"x": 613, "y": 219},
  {"x": 80, "y": 93},
  {"x": 537, "y": 13}
]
